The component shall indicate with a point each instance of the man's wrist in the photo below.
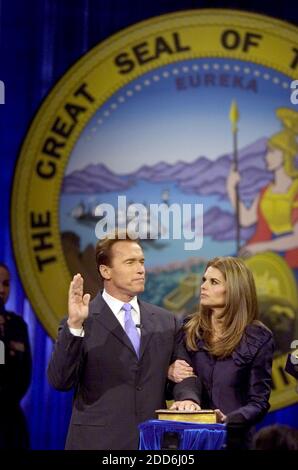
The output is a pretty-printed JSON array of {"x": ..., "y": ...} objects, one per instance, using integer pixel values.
[
  {"x": 75, "y": 325},
  {"x": 77, "y": 332}
]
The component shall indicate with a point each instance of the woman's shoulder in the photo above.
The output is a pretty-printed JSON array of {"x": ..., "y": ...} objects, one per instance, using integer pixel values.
[
  {"x": 255, "y": 337},
  {"x": 257, "y": 333}
]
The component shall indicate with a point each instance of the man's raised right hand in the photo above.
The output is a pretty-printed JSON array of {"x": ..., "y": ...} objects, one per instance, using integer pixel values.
[{"x": 78, "y": 303}]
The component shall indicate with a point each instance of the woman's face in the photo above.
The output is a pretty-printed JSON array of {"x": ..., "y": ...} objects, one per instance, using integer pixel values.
[
  {"x": 213, "y": 289},
  {"x": 274, "y": 158}
]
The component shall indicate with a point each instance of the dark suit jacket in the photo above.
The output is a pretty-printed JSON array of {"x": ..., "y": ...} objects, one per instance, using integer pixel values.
[
  {"x": 292, "y": 365},
  {"x": 114, "y": 391},
  {"x": 239, "y": 385},
  {"x": 15, "y": 376}
]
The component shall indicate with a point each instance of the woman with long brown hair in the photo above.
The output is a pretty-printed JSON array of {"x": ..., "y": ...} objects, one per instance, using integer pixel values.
[{"x": 231, "y": 350}]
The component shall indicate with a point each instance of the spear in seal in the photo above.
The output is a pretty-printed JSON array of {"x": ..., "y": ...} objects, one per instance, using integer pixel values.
[{"x": 234, "y": 118}]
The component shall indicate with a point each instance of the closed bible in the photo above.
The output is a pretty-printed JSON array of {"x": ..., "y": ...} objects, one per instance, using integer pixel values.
[{"x": 202, "y": 416}]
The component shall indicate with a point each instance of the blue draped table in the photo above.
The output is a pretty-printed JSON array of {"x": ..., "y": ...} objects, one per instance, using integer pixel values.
[{"x": 192, "y": 436}]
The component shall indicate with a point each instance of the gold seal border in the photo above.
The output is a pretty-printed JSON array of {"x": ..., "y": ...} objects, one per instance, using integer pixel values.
[{"x": 199, "y": 29}]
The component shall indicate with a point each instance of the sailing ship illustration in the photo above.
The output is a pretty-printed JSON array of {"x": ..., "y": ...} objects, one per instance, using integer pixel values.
[
  {"x": 143, "y": 222},
  {"x": 85, "y": 214}
]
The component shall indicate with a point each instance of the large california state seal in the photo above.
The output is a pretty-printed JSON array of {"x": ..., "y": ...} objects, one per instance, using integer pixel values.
[{"x": 152, "y": 114}]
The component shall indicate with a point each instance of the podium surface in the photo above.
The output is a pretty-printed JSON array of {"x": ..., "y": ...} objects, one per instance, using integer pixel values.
[{"x": 191, "y": 436}]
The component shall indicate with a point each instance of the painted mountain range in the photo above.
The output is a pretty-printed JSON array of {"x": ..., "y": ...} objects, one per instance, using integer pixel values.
[
  {"x": 220, "y": 226},
  {"x": 202, "y": 176}
]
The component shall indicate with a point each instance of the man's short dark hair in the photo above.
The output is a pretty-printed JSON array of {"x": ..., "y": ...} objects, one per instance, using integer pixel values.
[{"x": 104, "y": 246}]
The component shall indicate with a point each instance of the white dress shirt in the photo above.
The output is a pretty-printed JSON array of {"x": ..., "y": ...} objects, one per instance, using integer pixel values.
[{"x": 116, "y": 307}]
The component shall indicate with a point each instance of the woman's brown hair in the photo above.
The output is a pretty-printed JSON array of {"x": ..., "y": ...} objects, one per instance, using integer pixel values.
[{"x": 241, "y": 309}]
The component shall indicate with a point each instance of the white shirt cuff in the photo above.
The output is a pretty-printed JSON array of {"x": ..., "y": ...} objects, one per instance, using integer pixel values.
[{"x": 77, "y": 331}]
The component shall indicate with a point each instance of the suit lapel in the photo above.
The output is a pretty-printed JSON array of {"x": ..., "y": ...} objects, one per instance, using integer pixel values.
[
  {"x": 147, "y": 326},
  {"x": 103, "y": 314}
]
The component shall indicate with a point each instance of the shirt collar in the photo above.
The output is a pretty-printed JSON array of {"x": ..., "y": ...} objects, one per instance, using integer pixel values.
[{"x": 116, "y": 304}]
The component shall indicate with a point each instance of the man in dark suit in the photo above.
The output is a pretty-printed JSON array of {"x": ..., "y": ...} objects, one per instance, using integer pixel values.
[
  {"x": 291, "y": 366},
  {"x": 15, "y": 371},
  {"x": 116, "y": 353}
]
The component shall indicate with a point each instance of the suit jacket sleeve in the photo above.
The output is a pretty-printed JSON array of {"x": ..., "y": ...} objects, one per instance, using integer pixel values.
[
  {"x": 191, "y": 387},
  {"x": 180, "y": 351},
  {"x": 64, "y": 366},
  {"x": 16, "y": 374},
  {"x": 188, "y": 389},
  {"x": 259, "y": 386},
  {"x": 292, "y": 365},
  {"x": 25, "y": 368}
]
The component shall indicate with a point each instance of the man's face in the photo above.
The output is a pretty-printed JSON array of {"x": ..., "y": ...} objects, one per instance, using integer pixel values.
[
  {"x": 125, "y": 278},
  {"x": 4, "y": 284}
]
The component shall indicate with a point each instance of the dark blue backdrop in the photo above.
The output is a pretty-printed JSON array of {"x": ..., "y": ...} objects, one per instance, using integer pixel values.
[{"x": 39, "y": 41}]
